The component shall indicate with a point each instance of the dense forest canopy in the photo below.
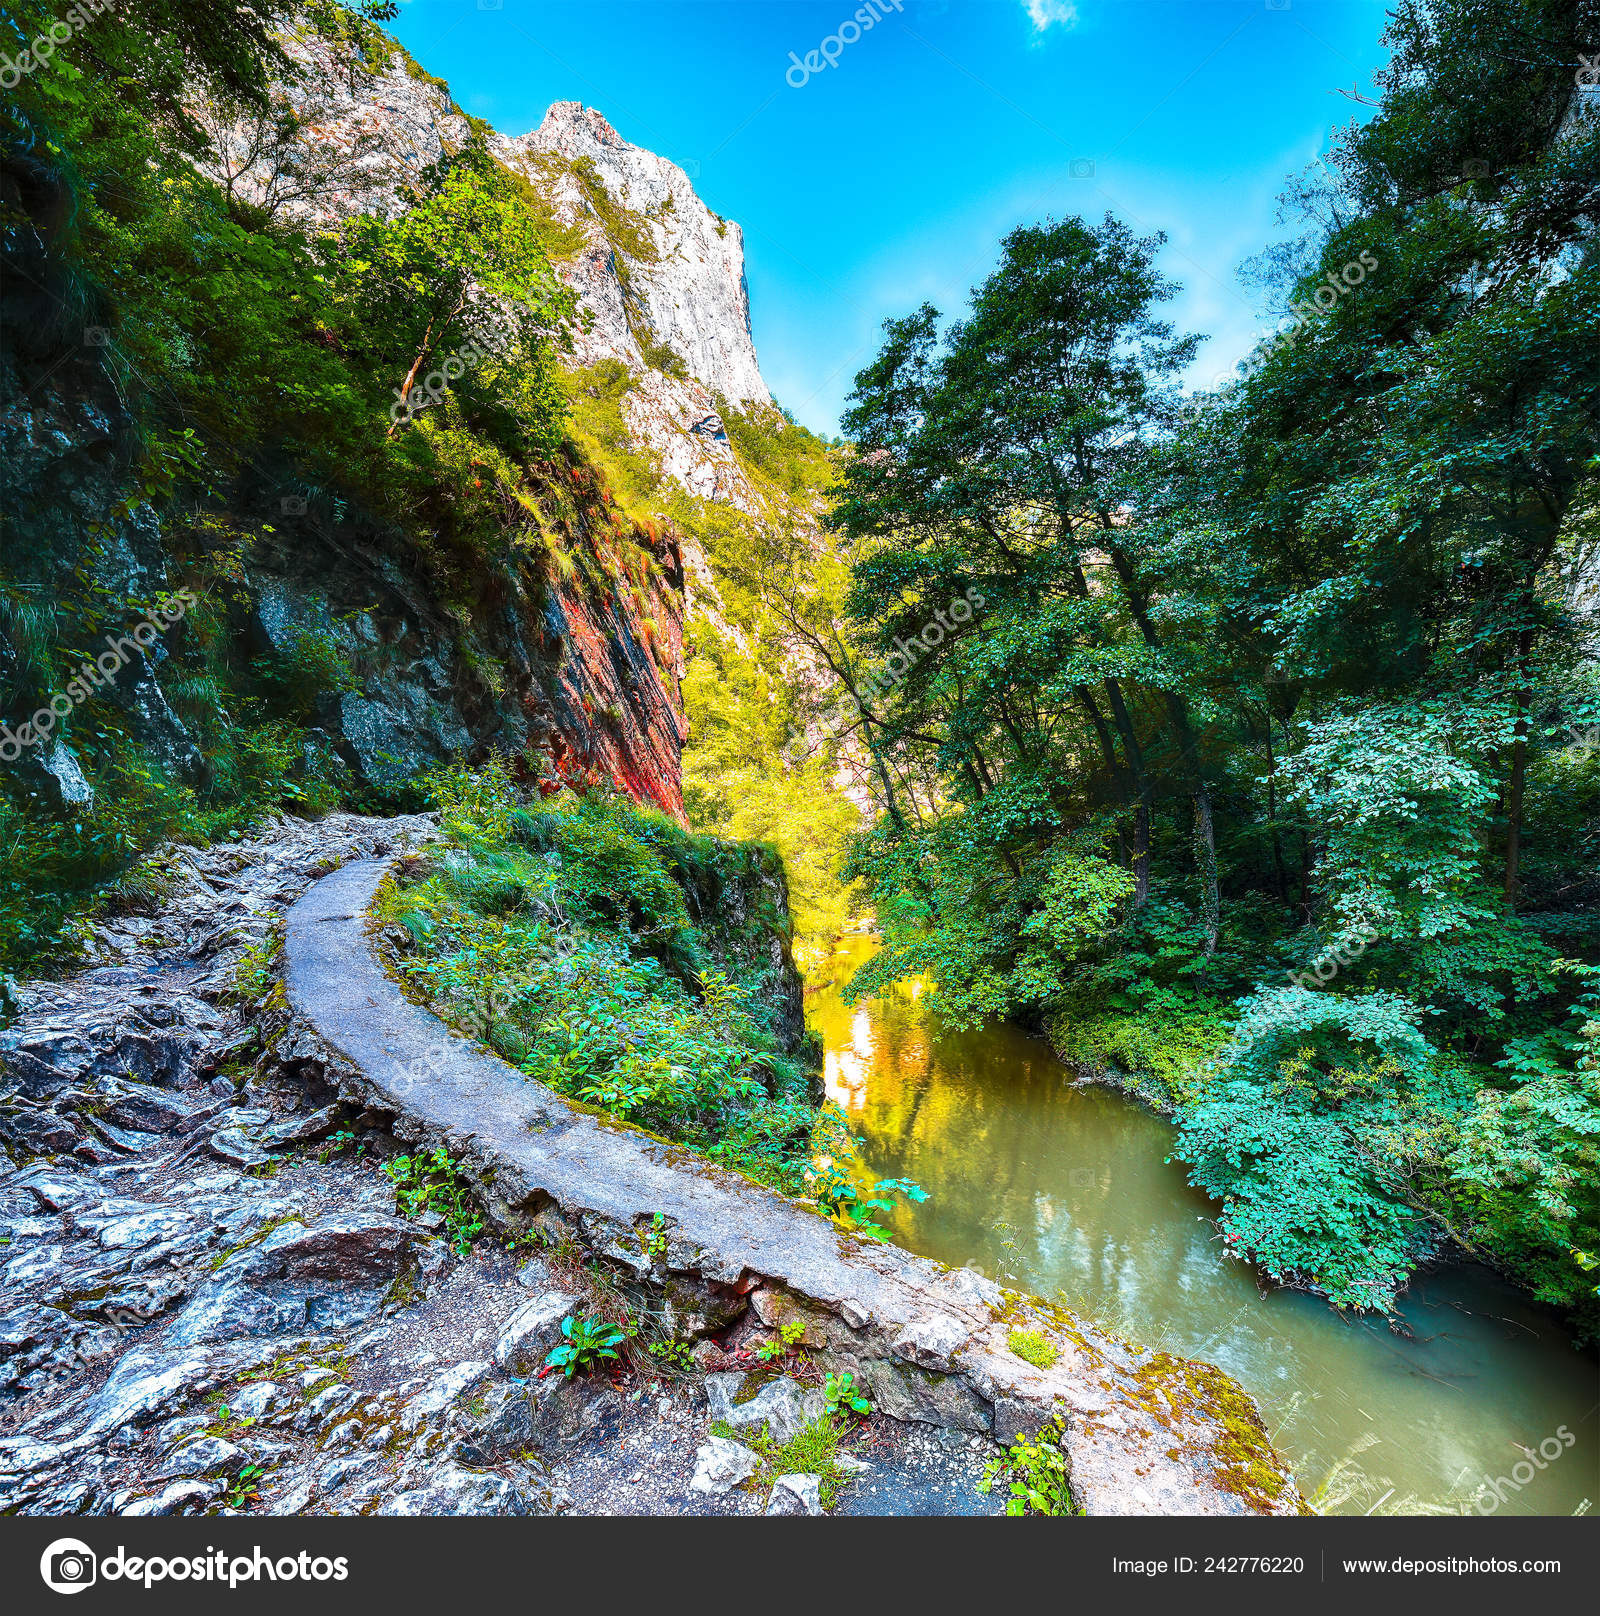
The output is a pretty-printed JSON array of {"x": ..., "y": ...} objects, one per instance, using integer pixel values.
[{"x": 1267, "y": 772}]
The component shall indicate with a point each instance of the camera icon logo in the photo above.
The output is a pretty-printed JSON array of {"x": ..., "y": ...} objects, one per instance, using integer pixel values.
[
  {"x": 1081, "y": 168},
  {"x": 96, "y": 336},
  {"x": 1082, "y": 1178},
  {"x": 68, "y": 1566},
  {"x": 292, "y": 505}
]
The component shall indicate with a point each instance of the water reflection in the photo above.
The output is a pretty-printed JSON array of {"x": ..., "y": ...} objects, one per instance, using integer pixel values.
[{"x": 1056, "y": 1188}]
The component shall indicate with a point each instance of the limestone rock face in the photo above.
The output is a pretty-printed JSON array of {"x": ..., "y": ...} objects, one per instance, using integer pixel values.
[
  {"x": 693, "y": 297},
  {"x": 659, "y": 277},
  {"x": 587, "y": 679}
]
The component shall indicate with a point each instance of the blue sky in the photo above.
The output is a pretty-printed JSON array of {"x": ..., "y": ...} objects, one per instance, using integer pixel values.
[{"x": 890, "y": 177}]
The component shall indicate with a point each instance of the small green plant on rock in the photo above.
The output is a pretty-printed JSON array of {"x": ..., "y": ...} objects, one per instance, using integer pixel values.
[
  {"x": 431, "y": 1181},
  {"x": 1034, "y": 1469},
  {"x": 844, "y": 1397},
  {"x": 589, "y": 1342},
  {"x": 244, "y": 1490},
  {"x": 256, "y": 971},
  {"x": 842, "y": 1199},
  {"x": 338, "y": 1142},
  {"x": 1031, "y": 1346},
  {"x": 671, "y": 1354},
  {"x": 789, "y": 1337},
  {"x": 653, "y": 1241},
  {"x": 812, "y": 1451}
]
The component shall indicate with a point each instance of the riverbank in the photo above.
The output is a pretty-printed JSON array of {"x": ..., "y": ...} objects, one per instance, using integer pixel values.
[{"x": 1065, "y": 1188}]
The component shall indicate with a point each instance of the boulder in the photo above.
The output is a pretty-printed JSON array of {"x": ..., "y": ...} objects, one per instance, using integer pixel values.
[
  {"x": 441, "y": 1392},
  {"x": 799, "y": 1494},
  {"x": 530, "y": 1332},
  {"x": 455, "y": 1490},
  {"x": 179, "y": 1499},
  {"x": 570, "y": 1410},
  {"x": 720, "y": 1465},
  {"x": 497, "y": 1426},
  {"x": 932, "y": 1341},
  {"x": 238, "y": 1147},
  {"x": 203, "y": 1456},
  {"x": 781, "y": 1408},
  {"x": 300, "y": 1279},
  {"x": 301, "y": 1130}
]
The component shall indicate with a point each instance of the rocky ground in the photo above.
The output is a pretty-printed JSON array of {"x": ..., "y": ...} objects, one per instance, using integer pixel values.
[{"x": 210, "y": 1304}]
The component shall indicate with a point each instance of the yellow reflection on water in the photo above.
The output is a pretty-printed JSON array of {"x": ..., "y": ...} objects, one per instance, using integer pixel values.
[{"x": 1056, "y": 1188}]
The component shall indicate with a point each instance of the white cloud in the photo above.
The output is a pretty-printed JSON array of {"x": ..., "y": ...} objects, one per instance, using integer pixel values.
[{"x": 1042, "y": 13}]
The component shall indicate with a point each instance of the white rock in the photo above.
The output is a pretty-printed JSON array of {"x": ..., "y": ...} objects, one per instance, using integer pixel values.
[
  {"x": 533, "y": 1328},
  {"x": 720, "y": 1465},
  {"x": 931, "y": 1342},
  {"x": 854, "y": 1314},
  {"x": 800, "y": 1494}
]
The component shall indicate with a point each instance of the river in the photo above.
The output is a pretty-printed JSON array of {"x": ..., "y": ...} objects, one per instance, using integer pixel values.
[{"x": 1063, "y": 1190}]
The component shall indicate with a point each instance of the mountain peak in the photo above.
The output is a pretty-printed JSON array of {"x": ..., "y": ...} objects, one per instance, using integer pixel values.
[
  {"x": 574, "y": 119},
  {"x": 682, "y": 295}
]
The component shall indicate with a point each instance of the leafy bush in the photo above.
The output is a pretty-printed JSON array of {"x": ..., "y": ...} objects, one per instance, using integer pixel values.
[
  {"x": 1321, "y": 1109},
  {"x": 589, "y": 1342},
  {"x": 846, "y": 1201},
  {"x": 431, "y": 1181},
  {"x": 561, "y": 937},
  {"x": 1034, "y": 1471}
]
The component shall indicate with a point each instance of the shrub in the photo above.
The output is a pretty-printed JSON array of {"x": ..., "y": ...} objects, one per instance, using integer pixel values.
[
  {"x": 561, "y": 936},
  {"x": 589, "y": 1342},
  {"x": 1032, "y": 1347},
  {"x": 431, "y": 1181},
  {"x": 1034, "y": 1470}
]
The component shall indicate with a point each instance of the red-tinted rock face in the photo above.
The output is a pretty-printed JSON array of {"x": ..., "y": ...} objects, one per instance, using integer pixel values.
[
  {"x": 608, "y": 710},
  {"x": 567, "y": 658}
]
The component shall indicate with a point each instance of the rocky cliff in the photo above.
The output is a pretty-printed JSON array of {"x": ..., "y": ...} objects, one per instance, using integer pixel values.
[
  {"x": 578, "y": 666},
  {"x": 659, "y": 276},
  {"x": 580, "y": 671}
]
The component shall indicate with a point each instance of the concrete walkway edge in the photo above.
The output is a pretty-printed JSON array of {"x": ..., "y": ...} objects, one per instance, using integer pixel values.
[{"x": 1145, "y": 1433}]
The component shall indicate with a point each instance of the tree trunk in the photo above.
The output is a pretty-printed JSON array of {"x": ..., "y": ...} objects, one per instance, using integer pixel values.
[
  {"x": 1134, "y": 794},
  {"x": 1141, "y": 783},
  {"x": 1205, "y": 836}
]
